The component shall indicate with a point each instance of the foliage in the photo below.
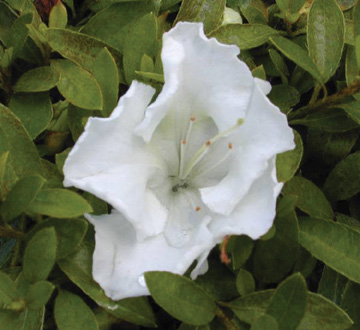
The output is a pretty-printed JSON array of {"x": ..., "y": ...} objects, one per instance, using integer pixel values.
[{"x": 59, "y": 67}]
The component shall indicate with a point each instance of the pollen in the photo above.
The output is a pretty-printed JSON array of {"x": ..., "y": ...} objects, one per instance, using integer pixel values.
[
  {"x": 184, "y": 141},
  {"x": 198, "y": 208},
  {"x": 192, "y": 118},
  {"x": 208, "y": 143},
  {"x": 230, "y": 146}
]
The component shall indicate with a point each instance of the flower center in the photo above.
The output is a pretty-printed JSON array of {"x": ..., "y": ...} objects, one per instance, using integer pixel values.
[{"x": 185, "y": 168}]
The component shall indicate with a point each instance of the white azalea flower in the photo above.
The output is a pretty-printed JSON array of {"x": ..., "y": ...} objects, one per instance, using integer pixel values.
[{"x": 184, "y": 171}]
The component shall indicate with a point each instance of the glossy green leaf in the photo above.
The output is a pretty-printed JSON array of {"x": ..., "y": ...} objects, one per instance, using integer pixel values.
[
  {"x": 333, "y": 244},
  {"x": 34, "y": 110},
  {"x": 69, "y": 233},
  {"x": 58, "y": 16},
  {"x": 139, "y": 43},
  {"x": 37, "y": 80},
  {"x": 245, "y": 36},
  {"x": 21, "y": 195},
  {"x": 117, "y": 21},
  {"x": 77, "y": 47},
  {"x": 106, "y": 74},
  {"x": 39, "y": 257},
  {"x": 288, "y": 162},
  {"x": 343, "y": 181},
  {"x": 325, "y": 36},
  {"x": 288, "y": 303},
  {"x": 207, "y": 11},
  {"x": 310, "y": 198},
  {"x": 78, "y": 86},
  {"x": 320, "y": 313},
  {"x": 245, "y": 282},
  {"x": 51, "y": 202},
  {"x": 14, "y": 138},
  {"x": 298, "y": 55},
  {"x": 39, "y": 294},
  {"x": 77, "y": 267},
  {"x": 8, "y": 292},
  {"x": 72, "y": 313},
  {"x": 331, "y": 120},
  {"x": 280, "y": 250},
  {"x": 265, "y": 322},
  {"x": 181, "y": 297}
]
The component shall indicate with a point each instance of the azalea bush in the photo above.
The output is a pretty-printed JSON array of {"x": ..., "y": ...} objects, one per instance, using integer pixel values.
[{"x": 178, "y": 164}]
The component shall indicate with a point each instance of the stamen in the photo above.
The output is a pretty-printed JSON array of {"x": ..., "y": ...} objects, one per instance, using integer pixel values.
[
  {"x": 203, "y": 150},
  {"x": 184, "y": 144}
]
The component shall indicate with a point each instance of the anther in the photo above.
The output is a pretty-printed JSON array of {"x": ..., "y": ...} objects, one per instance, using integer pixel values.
[
  {"x": 208, "y": 143},
  {"x": 198, "y": 208},
  {"x": 184, "y": 141},
  {"x": 230, "y": 145},
  {"x": 192, "y": 118}
]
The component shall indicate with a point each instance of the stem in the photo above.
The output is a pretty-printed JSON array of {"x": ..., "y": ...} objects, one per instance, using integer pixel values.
[
  {"x": 7, "y": 231},
  {"x": 336, "y": 98},
  {"x": 226, "y": 321}
]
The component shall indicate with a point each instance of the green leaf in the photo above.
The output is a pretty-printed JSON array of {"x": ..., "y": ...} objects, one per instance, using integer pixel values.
[
  {"x": 10, "y": 320},
  {"x": 351, "y": 67},
  {"x": 106, "y": 74},
  {"x": 75, "y": 46},
  {"x": 245, "y": 36},
  {"x": 350, "y": 302},
  {"x": 288, "y": 303},
  {"x": 325, "y": 36},
  {"x": 285, "y": 97},
  {"x": 207, "y": 11},
  {"x": 332, "y": 120},
  {"x": 58, "y": 16},
  {"x": 255, "y": 11},
  {"x": 310, "y": 198},
  {"x": 72, "y": 313},
  {"x": 356, "y": 17},
  {"x": 290, "y": 6},
  {"x": 14, "y": 138},
  {"x": 77, "y": 267},
  {"x": 34, "y": 319},
  {"x": 39, "y": 257},
  {"x": 333, "y": 244},
  {"x": 320, "y": 313},
  {"x": 78, "y": 86},
  {"x": 298, "y": 55},
  {"x": 281, "y": 250},
  {"x": 181, "y": 297},
  {"x": 8, "y": 292},
  {"x": 7, "y": 18},
  {"x": 37, "y": 80},
  {"x": 8, "y": 177},
  {"x": 117, "y": 21},
  {"x": 346, "y": 4},
  {"x": 332, "y": 285},
  {"x": 245, "y": 282},
  {"x": 21, "y": 195},
  {"x": 240, "y": 248},
  {"x": 265, "y": 322},
  {"x": 288, "y": 162},
  {"x": 34, "y": 110},
  {"x": 343, "y": 181},
  {"x": 353, "y": 110},
  {"x": 51, "y": 202},
  {"x": 142, "y": 40},
  {"x": 39, "y": 294},
  {"x": 279, "y": 64},
  {"x": 330, "y": 148},
  {"x": 69, "y": 233}
]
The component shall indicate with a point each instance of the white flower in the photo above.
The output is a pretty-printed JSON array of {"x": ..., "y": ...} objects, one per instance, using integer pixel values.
[{"x": 181, "y": 173}]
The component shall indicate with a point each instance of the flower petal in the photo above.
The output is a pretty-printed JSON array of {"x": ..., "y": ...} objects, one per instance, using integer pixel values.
[
  {"x": 202, "y": 78},
  {"x": 120, "y": 260},
  {"x": 264, "y": 134},
  {"x": 112, "y": 163},
  {"x": 255, "y": 213}
]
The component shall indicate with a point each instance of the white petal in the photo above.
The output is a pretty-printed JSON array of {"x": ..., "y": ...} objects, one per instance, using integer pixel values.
[
  {"x": 202, "y": 77},
  {"x": 255, "y": 213},
  {"x": 120, "y": 260},
  {"x": 112, "y": 163},
  {"x": 264, "y": 134}
]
